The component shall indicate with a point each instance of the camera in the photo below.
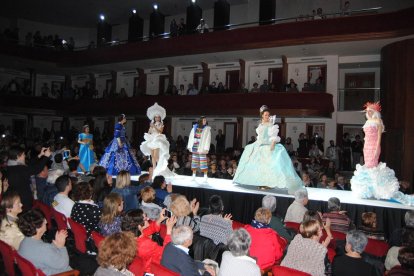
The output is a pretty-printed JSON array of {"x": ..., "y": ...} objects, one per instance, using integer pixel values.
[
  {"x": 66, "y": 154},
  {"x": 168, "y": 213}
]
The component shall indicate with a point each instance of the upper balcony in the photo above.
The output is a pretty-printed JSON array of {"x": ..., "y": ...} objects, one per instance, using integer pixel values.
[{"x": 282, "y": 33}]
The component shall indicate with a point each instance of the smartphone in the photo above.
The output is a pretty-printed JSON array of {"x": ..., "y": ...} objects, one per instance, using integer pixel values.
[
  {"x": 66, "y": 154},
  {"x": 168, "y": 213}
]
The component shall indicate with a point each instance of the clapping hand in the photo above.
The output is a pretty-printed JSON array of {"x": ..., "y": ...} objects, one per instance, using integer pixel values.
[
  {"x": 228, "y": 217},
  {"x": 60, "y": 238},
  {"x": 195, "y": 205}
]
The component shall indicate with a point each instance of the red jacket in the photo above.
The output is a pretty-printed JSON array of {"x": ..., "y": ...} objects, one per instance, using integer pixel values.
[{"x": 266, "y": 246}]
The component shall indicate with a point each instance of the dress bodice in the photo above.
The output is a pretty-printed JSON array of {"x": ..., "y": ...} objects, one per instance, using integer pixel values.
[
  {"x": 266, "y": 133},
  {"x": 119, "y": 131},
  {"x": 86, "y": 137},
  {"x": 155, "y": 129}
]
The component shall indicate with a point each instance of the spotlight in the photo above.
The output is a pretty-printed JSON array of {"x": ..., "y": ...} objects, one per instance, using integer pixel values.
[
  {"x": 134, "y": 11},
  {"x": 3, "y": 136},
  {"x": 155, "y": 7},
  {"x": 102, "y": 17},
  {"x": 61, "y": 137},
  {"x": 193, "y": 1}
]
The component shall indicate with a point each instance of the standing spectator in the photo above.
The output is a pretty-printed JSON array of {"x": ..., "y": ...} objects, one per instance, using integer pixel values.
[
  {"x": 192, "y": 90},
  {"x": 202, "y": 27},
  {"x": 346, "y": 153},
  {"x": 297, "y": 209},
  {"x": 332, "y": 154},
  {"x": 346, "y": 8},
  {"x": 255, "y": 88},
  {"x": 357, "y": 145},
  {"x": 292, "y": 86},
  {"x": 45, "y": 90},
  {"x": 182, "y": 91},
  {"x": 220, "y": 141},
  {"x": 264, "y": 87},
  {"x": 289, "y": 146},
  {"x": 317, "y": 140},
  {"x": 303, "y": 149},
  {"x": 173, "y": 28},
  {"x": 181, "y": 27}
]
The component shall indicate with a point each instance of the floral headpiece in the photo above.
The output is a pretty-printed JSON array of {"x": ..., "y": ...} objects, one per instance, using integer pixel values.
[
  {"x": 374, "y": 106},
  {"x": 156, "y": 110}
]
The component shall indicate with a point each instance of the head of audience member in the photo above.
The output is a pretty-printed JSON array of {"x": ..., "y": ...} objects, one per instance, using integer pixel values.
[
  {"x": 112, "y": 207},
  {"x": 369, "y": 220},
  {"x": 54, "y": 175},
  {"x": 215, "y": 205},
  {"x": 312, "y": 215},
  {"x": 306, "y": 179},
  {"x": 32, "y": 224},
  {"x": 159, "y": 182},
  {"x": 409, "y": 218},
  {"x": 341, "y": 180},
  {"x": 408, "y": 237},
  {"x": 239, "y": 242},
  {"x": 182, "y": 235},
  {"x": 169, "y": 199},
  {"x": 406, "y": 258},
  {"x": 332, "y": 184},
  {"x": 334, "y": 205},
  {"x": 134, "y": 221},
  {"x": 10, "y": 205},
  {"x": 269, "y": 202},
  {"x": 123, "y": 180},
  {"x": 73, "y": 165},
  {"x": 180, "y": 206},
  {"x": 16, "y": 153},
  {"x": 117, "y": 250},
  {"x": 64, "y": 184},
  {"x": 44, "y": 173},
  {"x": 356, "y": 241},
  {"x": 311, "y": 229},
  {"x": 83, "y": 191},
  {"x": 263, "y": 216},
  {"x": 143, "y": 178},
  {"x": 148, "y": 195},
  {"x": 301, "y": 196},
  {"x": 58, "y": 158}
]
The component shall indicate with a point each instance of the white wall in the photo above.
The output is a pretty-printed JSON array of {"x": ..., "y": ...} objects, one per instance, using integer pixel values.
[
  {"x": 259, "y": 72},
  {"x": 100, "y": 82},
  {"x": 185, "y": 76},
  {"x": 48, "y": 79},
  {"x": 153, "y": 80},
  {"x": 218, "y": 74},
  {"x": 126, "y": 80},
  {"x": 79, "y": 80}
]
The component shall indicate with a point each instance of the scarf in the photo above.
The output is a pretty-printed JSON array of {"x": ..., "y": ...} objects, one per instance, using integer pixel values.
[{"x": 259, "y": 225}]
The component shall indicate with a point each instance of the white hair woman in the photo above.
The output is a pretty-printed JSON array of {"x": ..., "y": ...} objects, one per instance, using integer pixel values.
[{"x": 276, "y": 223}]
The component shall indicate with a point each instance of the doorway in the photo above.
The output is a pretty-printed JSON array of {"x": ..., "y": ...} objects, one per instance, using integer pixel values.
[
  {"x": 233, "y": 80},
  {"x": 230, "y": 130},
  {"x": 164, "y": 81}
]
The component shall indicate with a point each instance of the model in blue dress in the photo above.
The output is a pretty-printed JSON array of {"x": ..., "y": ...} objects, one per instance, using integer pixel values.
[
  {"x": 265, "y": 163},
  {"x": 118, "y": 156},
  {"x": 86, "y": 154}
]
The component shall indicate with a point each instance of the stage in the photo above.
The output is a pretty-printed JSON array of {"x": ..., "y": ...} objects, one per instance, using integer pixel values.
[{"x": 242, "y": 201}]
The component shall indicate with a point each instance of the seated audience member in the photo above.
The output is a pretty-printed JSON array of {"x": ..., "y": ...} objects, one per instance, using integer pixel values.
[
  {"x": 192, "y": 90},
  {"x": 306, "y": 87},
  {"x": 297, "y": 209},
  {"x": 85, "y": 211},
  {"x": 51, "y": 191},
  {"x": 369, "y": 226},
  {"x": 148, "y": 204},
  {"x": 102, "y": 185},
  {"x": 73, "y": 168},
  {"x": 307, "y": 182},
  {"x": 62, "y": 203},
  {"x": 265, "y": 246},
  {"x": 392, "y": 256},
  {"x": 352, "y": 263},
  {"x": 255, "y": 88},
  {"x": 19, "y": 173},
  {"x": 116, "y": 253},
  {"x": 406, "y": 259},
  {"x": 313, "y": 215},
  {"x": 162, "y": 189},
  {"x": 215, "y": 226},
  {"x": 237, "y": 261},
  {"x": 396, "y": 236},
  {"x": 202, "y": 27},
  {"x": 136, "y": 221},
  {"x": 339, "y": 220},
  {"x": 41, "y": 182},
  {"x": 305, "y": 253},
  {"x": 50, "y": 258},
  {"x": 213, "y": 172},
  {"x": 331, "y": 184},
  {"x": 59, "y": 163},
  {"x": 276, "y": 223},
  {"x": 129, "y": 193},
  {"x": 111, "y": 214},
  {"x": 323, "y": 182},
  {"x": 186, "y": 212},
  {"x": 315, "y": 151},
  {"x": 342, "y": 185},
  {"x": 10, "y": 207},
  {"x": 175, "y": 256},
  {"x": 292, "y": 86}
]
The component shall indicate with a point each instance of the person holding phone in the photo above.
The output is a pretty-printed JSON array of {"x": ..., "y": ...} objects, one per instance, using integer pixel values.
[{"x": 86, "y": 154}]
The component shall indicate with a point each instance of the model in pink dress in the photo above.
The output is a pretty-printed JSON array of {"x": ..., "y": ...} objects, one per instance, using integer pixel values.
[{"x": 373, "y": 130}]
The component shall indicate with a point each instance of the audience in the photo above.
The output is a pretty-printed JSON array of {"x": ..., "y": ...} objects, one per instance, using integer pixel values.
[
  {"x": 149, "y": 206},
  {"x": 10, "y": 208},
  {"x": 215, "y": 226},
  {"x": 406, "y": 259},
  {"x": 50, "y": 258},
  {"x": 276, "y": 223},
  {"x": 369, "y": 226},
  {"x": 392, "y": 256},
  {"x": 110, "y": 222},
  {"x": 128, "y": 192},
  {"x": 186, "y": 212},
  {"x": 297, "y": 209},
  {"x": 396, "y": 236},
  {"x": 116, "y": 252},
  {"x": 162, "y": 189},
  {"x": 85, "y": 211},
  {"x": 62, "y": 202},
  {"x": 237, "y": 261},
  {"x": 339, "y": 220}
]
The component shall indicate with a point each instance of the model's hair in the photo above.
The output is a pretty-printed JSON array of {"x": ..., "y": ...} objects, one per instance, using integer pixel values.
[
  {"x": 357, "y": 240},
  {"x": 85, "y": 127},
  {"x": 239, "y": 242},
  {"x": 30, "y": 221},
  {"x": 377, "y": 115},
  {"x": 269, "y": 202},
  {"x": 148, "y": 194},
  {"x": 121, "y": 117},
  {"x": 216, "y": 205},
  {"x": 117, "y": 250},
  {"x": 406, "y": 258},
  {"x": 83, "y": 191},
  {"x": 110, "y": 208},
  {"x": 158, "y": 181},
  {"x": 180, "y": 234},
  {"x": 123, "y": 179},
  {"x": 263, "y": 215},
  {"x": 180, "y": 206},
  {"x": 334, "y": 204},
  {"x": 310, "y": 228},
  {"x": 62, "y": 182},
  {"x": 131, "y": 220},
  {"x": 7, "y": 202},
  {"x": 200, "y": 121},
  {"x": 15, "y": 152},
  {"x": 369, "y": 220}
]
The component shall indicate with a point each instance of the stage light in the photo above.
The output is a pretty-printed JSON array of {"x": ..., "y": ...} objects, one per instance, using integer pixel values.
[
  {"x": 3, "y": 136},
  {"x": 193, "y": 1},
  {"x": 102, "y": 17},
  {"x": 155, "y": 7},
  {"x": 134, "y": 11}
]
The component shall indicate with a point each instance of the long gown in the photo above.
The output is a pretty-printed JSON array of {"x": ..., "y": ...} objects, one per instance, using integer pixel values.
[
  {"x": 116, "y": 159},
  {"x": 86, "y": 154},
  {"x": 156, "y": 140},
  {"x": 259, "y": 166},
  {"x": 373, "y": 179}
]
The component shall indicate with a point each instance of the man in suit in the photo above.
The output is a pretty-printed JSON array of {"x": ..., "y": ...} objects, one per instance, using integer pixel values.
[{"x": 175, "y": 256}]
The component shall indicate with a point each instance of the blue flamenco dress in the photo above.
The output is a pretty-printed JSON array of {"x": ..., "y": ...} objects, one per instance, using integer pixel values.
[
  {"x": 86, "y": 154},
  {"x": 116, "y": 159},
  {"x": 260, "y": 166}
]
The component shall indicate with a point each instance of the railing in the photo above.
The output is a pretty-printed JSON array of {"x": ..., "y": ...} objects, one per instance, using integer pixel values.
[{"x": 351, "y": 99}]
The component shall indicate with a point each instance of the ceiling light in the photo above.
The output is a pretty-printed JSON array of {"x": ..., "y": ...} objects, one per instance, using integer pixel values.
[
  {"x": 134, "y": 11},
  {"x": 155, "y": 7},
  {"x": 102, "y": 17}
]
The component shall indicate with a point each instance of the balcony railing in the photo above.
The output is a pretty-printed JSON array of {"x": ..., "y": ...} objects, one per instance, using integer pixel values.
[{"x": 351, "y": 99}]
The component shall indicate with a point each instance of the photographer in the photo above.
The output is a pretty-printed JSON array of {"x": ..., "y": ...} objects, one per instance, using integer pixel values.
[{"x": 19, "y": 173}]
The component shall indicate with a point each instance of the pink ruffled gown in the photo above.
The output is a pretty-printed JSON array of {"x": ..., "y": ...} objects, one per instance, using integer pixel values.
[{"x": 371, "y": 139}]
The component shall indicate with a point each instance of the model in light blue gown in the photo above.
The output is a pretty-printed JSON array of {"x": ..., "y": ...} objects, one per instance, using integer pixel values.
[
  {"x": 86, "y": 154},
  {"x": 261, "y": 166}
]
